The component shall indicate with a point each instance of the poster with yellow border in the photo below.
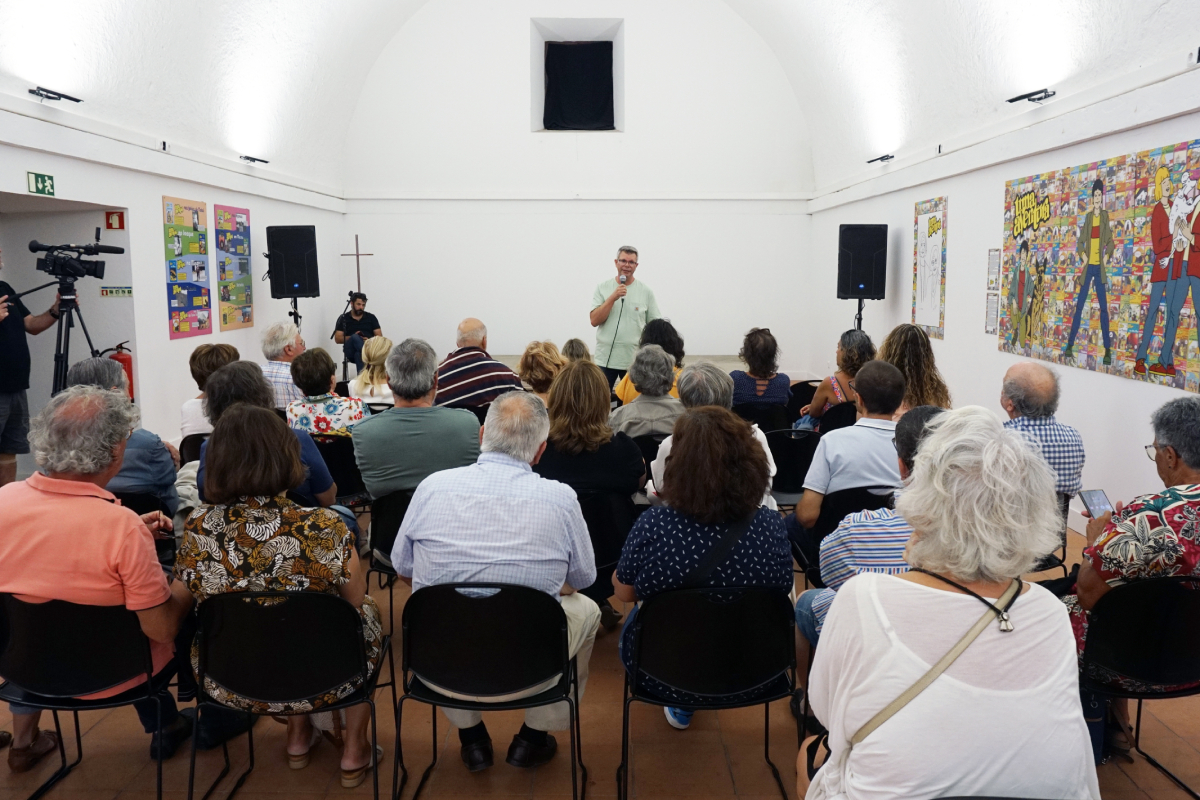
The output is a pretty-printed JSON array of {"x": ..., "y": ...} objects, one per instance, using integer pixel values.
[
  {"x": 233, "y": 267},
  {"x": 185, "y": 237}
]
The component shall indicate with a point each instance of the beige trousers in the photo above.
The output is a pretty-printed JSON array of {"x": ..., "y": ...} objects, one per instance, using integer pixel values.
[{"x": 583, "y": 618}]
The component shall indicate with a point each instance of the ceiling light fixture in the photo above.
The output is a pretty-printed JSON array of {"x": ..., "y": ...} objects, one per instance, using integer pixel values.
[
  {"x": 253, "y": 160},
  {"x": 1034, "y": 97},
  {"x": 50, "y": 94},
  {"x": 888, "y": 157}
]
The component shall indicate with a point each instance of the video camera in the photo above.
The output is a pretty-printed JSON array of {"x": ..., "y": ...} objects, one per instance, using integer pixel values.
[{"x": 65, "y": 262}]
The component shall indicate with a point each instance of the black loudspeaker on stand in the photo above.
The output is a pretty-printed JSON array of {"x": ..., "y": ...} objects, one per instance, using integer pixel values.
[
  {"x": 862, "y": 264},
  {"x": 292, "y": 264}
]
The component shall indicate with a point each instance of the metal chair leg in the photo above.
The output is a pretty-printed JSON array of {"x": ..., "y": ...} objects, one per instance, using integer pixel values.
[
  {"x": 65, "y": 768},
  {"x": 400, "y": 754},
  {"x": 250, "y": 743},
  {"x": 767, "y": 749},
  {"x": 623, "y": 767},
  {"x": 579, "y": 738},
  {"x": 1137, "y": 745},
  {"x": 374, "y": 748}
]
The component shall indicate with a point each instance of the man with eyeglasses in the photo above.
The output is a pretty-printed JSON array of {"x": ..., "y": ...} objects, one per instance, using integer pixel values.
[{"x": 621, "y": 307}]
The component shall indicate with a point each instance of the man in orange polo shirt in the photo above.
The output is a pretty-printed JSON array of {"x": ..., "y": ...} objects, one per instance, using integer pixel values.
[{"x": 64, "y": 537}]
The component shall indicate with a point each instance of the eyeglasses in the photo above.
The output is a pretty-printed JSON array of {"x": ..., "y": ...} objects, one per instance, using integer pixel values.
[
  {"x": 624, "y": 263},
  {"x": 895, "y": 445},
  {"x": 856, "y": 390},
  {"x": 1152, "y": 452}
]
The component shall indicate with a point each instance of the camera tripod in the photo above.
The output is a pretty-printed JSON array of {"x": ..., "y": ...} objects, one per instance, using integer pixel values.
[{"x": 68, "y": 312}]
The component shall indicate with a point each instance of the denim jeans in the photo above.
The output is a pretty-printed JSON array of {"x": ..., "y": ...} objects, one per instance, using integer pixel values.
[
  {"x": 806, "y": 620},
  {"x": 1092, "y": 275},
  {"x": 352, "y": 350},
  {"x": 1158, "y": 291},
  {"x": 1177, "y": 292}
]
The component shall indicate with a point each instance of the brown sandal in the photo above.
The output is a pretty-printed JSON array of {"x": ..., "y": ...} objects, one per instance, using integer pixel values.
[{"x": 23, "y": 759}]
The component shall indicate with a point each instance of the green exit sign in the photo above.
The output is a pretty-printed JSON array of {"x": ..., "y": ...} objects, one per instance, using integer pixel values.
[{"x": 41, "y": 184}]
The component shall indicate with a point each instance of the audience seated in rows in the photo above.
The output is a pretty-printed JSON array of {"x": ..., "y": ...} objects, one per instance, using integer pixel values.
[
  {"x": 540, "y": 362},
  {"x": 1030, "y": 397},
  {"x": 469, "y": 377},
  {"x": 861, "y": 455},
  {"x": 204, "y": 361},
  {"x": 576, "y": 350},
  {"x": 705, "y": 384},
  {"x": 583, "y": 452},
  {"x": 404, "y": 445},
  {"x": 1154, "y": 536},
  {"x": 498, "y": 521},
  {"x": 149, "y": 464},
  {"x": 1004, "y": 720},
  {"x": 761, "y": 382},
  {"x": 322, "y": 412},
  {"x": 662, "y": 333},
  {"x": 854, "y": 349},
  {"x": 865, "y": 541},
  {"x": 653, "y": 410},
  {"x": 95, "y": 552},
  {"x": 281, "y": 343},
  {"x": 371, "y": 384},
  {"x": 250, "y": 537},
  {"x": 907, "y": 348},
  {"x": 669, "y": 543}
]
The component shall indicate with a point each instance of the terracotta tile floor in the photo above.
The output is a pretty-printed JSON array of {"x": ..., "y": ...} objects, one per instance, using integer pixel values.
[{"x": 720, "y": 756}]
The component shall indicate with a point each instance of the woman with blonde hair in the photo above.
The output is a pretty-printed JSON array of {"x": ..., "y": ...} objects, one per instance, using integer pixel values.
[
  {"x": 907, "y": 348},
  {"x": 576, "y": 350},
  {"x": 371, "y": 385},
  {"x": 540, "y": 362}
]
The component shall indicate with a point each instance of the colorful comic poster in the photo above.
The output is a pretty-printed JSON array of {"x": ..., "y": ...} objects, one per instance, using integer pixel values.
[
  {"x": 1099, "y": 264},
  {"x": 929, "y": 266},
  {"x": 185, "y": 231},
  {"x": 233, "y": 267}
]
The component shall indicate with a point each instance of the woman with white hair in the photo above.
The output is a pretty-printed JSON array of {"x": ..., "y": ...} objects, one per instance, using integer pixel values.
[
  {"x": 1004, "y": 720},
  {"x": 653, "y": 411}
]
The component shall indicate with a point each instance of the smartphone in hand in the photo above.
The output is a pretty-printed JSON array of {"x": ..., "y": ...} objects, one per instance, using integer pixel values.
[{"x": 1096, "y": 502}]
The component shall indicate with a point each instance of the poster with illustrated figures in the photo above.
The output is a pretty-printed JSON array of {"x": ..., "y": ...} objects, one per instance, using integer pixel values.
[
  {"x": 929, "y": 267},
  {"x": 1101, "y": 265},
  {"x": 185, "y": 231},
  {"x": 233, "y": 267}
]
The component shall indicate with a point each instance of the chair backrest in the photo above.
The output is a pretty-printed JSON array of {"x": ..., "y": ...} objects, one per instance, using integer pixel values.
[
  {"x": 480, "y": 412},
  {"x": 793, "y": 453},
  {"x": 281, "y": 413},
  {"x": 189, "y": 447},
  {"x": 649, "y": 443},
  {"x": 484, "y": 638},
  {"x": 61, "y": 649},
  {"x": 802, "y": 395},
  {"x": 276, "y": 647},
  {"x": 387, "y": 514},
  {"x": 609, "y": 516},
  {"x": 836, "y": 506},
  {"x": 338, "y": 453},
  {"x": 1146, "y": 633},
  {"x": 715, "y": 641},
  {"x": 767, "y": 416},
  {"x": 842, "y": 415},
  {"x": 378, "y": 408},
  {"x": 140, "y": 502},
  {"x": 342, "y": 388}
]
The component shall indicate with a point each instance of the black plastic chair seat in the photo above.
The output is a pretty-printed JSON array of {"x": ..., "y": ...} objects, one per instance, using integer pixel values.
[
  {"x": 418, "y": 690},
  {"x": 777, "y": 688}
]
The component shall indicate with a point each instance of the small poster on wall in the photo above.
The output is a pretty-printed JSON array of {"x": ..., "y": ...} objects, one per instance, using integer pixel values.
[
  {"x": 929, "y": 267},
  {"x": 185, "y": 231},
  {"x": 233, "y": 267}
]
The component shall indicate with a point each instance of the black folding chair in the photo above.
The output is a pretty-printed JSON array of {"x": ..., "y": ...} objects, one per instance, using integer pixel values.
[
  {"x": 649, "y": 443},
  {"x": 842, "y": 415},
  {"x": 280, "y": 647},
  {"x": 793, "y": 453},
  {"x": 387, "y": 514},
  {"x": 342, "y": 387},
  {"x": 189, "y": 447},
  {"x": 52, "y": 653},
  {"x": 716, "y": 644},
  {"x": 609, "y": 517},
  {"x": 486, "y": 639},
  {"x": 802, "y": 395},
  {"x": 1143, "y": 643},
  {"x": 767, "y": 416},
  {"x": 1054, "y": 560},
  {"x": 835, "y": 507},
  {"x": 338, "y": 454},
  {"x": 144, "y": 503},
  {"x": 480, "y": 412}
]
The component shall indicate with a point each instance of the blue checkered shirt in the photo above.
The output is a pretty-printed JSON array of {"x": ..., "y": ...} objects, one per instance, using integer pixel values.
[
  {"x": 1061, "y": 446},
  {"x": 279, "y": 375},
  {"x": 495, "y": 521}
]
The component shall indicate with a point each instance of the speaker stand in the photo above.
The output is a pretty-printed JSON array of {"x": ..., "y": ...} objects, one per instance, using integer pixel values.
[
  {"x": 857, "y": 317},
  {"x": 295, "y": 313}
]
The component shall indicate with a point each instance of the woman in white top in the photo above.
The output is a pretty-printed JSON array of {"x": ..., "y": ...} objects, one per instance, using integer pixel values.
[
  {"x": 205, "y": 360},
  {"x": 371, "y": 385},
  {"x": 1004, "y": 720}
]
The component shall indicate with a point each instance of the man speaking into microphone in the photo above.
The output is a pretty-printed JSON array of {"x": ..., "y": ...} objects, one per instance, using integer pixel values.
[{"x": 621, "y": 307}]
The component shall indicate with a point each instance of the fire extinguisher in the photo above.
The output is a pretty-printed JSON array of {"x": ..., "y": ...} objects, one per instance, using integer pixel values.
[{"x": 122, "y": 355}]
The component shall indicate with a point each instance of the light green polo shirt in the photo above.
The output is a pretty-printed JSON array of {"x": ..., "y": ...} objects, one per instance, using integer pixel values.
[{"x": 639, "y": 308}]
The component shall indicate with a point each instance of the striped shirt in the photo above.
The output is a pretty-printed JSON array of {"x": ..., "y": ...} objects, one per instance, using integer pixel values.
[
  {"x": 469, "y": 377},
  {"x": 867, "y": 541},
  {"x": 1061, "y": 446},
  {"x": 279, "y": 375}
]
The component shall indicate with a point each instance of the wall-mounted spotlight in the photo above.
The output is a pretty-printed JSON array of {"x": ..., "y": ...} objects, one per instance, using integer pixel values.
[
  {"x": 886, "y": 158},
  {"x": 1034, "y": 97},
  {"x": 50, "y": 94},
  {"x": 253, "y": 160}
]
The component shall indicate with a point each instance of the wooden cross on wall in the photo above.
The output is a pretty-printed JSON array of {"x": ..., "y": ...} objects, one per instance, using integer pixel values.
[{"x": 357, "y": 261}]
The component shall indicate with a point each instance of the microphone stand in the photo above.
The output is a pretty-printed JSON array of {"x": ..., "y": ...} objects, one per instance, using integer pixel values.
[{"x": 345, "y": 363}]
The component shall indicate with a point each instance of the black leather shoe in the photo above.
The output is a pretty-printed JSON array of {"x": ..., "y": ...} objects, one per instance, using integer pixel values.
[
  {"x": 522, "y": 753},
  {"x": 172, "y": 736},
  {"x": 477, "y": 755}
]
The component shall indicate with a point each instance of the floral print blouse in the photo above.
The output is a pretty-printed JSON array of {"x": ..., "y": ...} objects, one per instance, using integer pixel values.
[{"x": 326, "y": 414}]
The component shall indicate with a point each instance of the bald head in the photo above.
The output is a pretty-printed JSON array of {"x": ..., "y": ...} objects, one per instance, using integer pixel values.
[
  {"x": 471, "y": 333},
  {"x": 1029, "y": 390}
]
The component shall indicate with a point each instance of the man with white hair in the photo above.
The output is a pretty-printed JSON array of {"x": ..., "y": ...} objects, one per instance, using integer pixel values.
[
  {"x": 1030, "y": 397},
  {"x": 499, "y": 521},
  {"x": 281, "y": 343},
  {"x": 469, "y": 377}
]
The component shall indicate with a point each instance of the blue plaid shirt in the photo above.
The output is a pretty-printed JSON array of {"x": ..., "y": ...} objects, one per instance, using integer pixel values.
[
  {"x": 279, "y": 375},
  {"x": 495, "y": 521},
  {"x": 1061, "y": 446}
]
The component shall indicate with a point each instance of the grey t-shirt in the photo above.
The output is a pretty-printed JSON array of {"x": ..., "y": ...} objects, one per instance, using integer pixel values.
[{"x": 401, "y": 447}]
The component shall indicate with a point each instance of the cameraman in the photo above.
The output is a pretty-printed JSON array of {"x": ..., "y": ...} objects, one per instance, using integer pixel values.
[
  {"x": 15, "y": 322},
  {"x": 354, "y": 328}
]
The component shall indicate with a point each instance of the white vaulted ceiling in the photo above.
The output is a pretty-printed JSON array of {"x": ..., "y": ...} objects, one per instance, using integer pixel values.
[{"x": 282, "y": 80}]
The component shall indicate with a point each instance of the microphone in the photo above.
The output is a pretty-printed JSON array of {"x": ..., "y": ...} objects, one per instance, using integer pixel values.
[
  {"x": 87, "y": 249},
  {"x": 620, "y": 278}
]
